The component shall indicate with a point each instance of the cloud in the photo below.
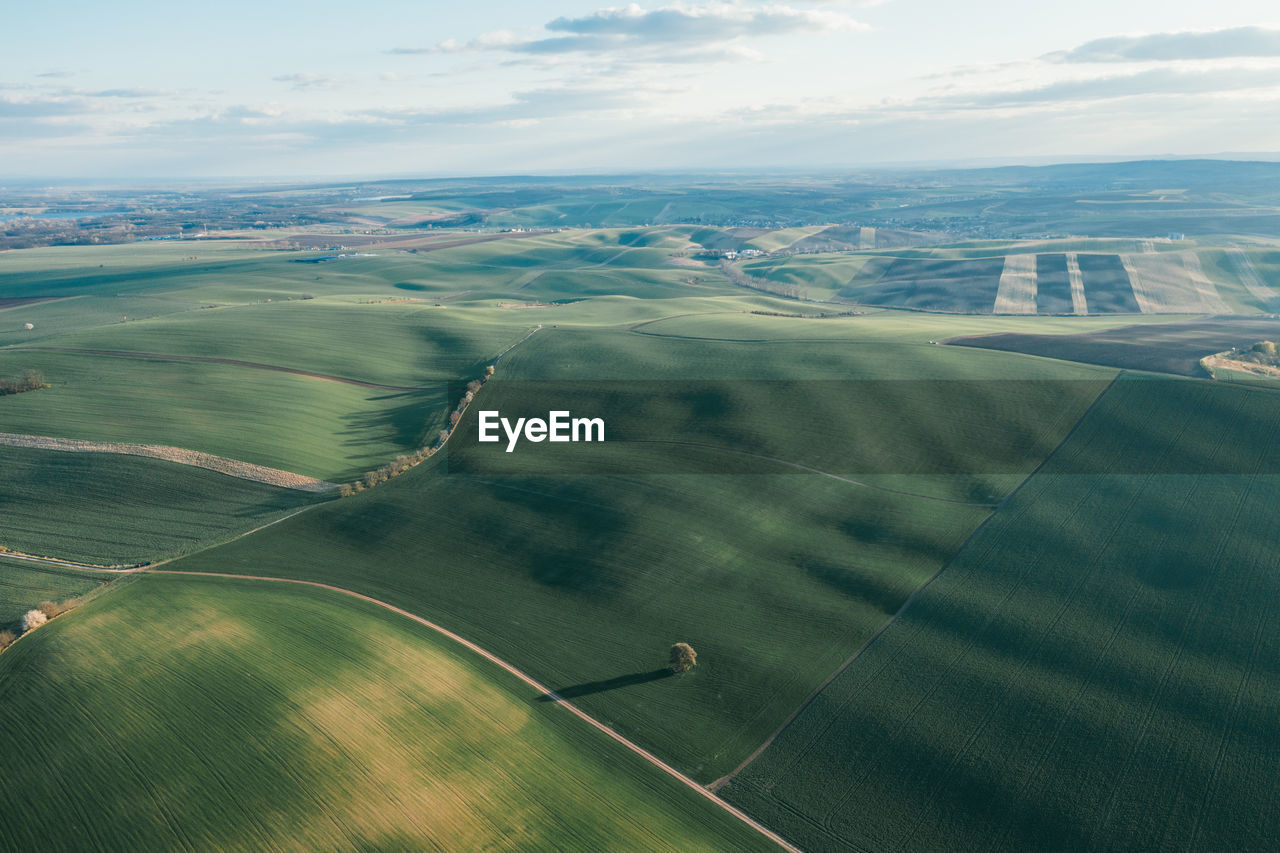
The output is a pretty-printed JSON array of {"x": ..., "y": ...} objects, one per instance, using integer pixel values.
[
  {"x": 1160, "y": 81},
  {"x": 1234, "y": 43},
  {"x": 57, "y": 74},
  {"x": 42, "y": 107},
  {"x": 305, "y": 80},
  {"x": 533, "y": 105},
  {"x": 633, "y": 27},
  {"x": 127, "y": 93}
]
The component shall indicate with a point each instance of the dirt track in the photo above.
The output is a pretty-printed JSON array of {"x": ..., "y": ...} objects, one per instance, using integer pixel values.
[
  {"x": 182, "y": 456},
  {"x": 155, "y": 356}
]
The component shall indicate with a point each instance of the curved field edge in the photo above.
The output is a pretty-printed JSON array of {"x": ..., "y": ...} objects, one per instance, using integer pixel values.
[
  {"x": 109, "y": 509},
  {"x": 1095, "y": 670},
  {"x": 177, "y": 455},
  {"x": 215, "y": 713}
]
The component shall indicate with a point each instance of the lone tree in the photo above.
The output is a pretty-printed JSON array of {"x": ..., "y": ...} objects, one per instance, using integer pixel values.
[
  {"x": 33, "y": 619},
  {"x": 683, "y": 658}
]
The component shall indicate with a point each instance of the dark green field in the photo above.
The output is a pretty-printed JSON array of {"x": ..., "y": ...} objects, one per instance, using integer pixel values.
[
  {"x": 1165, "y": 348},
  {"x": 1096, "y": 669},
  {"x": 24, "y": 585},
  {"x": 108, "y": 509},
  {"x": 961, "y": 286}
]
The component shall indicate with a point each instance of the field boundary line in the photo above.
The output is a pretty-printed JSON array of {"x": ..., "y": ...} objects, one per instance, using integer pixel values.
[
  {"x": 69, "y": 564},
  {"x": 179, "y": 455},
  {"x": 809, "y": 470},
  {"x": 542, "y": 689},
  {"x": 138, "y": 567},
  {"x": 230, "y": 362},
  {"x": 726, "y": 779}
]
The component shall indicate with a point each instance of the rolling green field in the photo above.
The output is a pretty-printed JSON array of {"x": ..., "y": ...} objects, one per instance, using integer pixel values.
[
  {"x": 586, "y": 579},
  {"x": 1096, "y": 669},
  {"x": 108, "y": 509},
  {"x": 209, "y": 714},
  {"x": 329, "y": 430},
  {"x": 1045, "y": 588}
]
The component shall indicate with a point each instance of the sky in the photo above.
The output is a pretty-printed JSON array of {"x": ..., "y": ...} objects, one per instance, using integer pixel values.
[{"x": 390, "y": 89}]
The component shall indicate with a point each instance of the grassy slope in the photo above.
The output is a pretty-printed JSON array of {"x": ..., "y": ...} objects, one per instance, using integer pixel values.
[
  {"x": 389, "y": 344},
  {"x": 107, "y": 509},
  {"x": 24, "y": 585},
  {"x": 212, "y": 714},
  {"x": 775, "y": 579},
  {"x": 323, "y": 429},
  {"x": 1096, "y": 670}
]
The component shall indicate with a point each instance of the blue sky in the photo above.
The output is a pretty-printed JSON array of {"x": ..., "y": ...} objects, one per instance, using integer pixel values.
[{"x": 150, "y": 89}]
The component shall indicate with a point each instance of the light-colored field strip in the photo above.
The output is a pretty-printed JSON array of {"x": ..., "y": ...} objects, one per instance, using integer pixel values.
[
  {"x": 1167, "y": 283},
  {"x": 542, "y": 689},
  {"x": 1017, "y": 292},
  {"x": 1078, "y": 303},
  {"x": 866, "y": 238},
  {"x": 1249, "y": 276},
  {"x": 194, "y": 458},
  {"x": 1208, "y": 292}
]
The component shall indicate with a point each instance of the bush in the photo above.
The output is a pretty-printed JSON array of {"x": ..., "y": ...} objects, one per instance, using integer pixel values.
[
  {"x": 6, "y": 639},
  {"x": 1265, "y": 347},
  {"x": 30, "y": 380},
  {"x": 33, "y": 619},
  {"x": 50, "y": 608}
]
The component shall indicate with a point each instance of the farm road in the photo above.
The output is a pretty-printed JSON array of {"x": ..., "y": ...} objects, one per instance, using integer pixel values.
[{"x": 543, "y": 691}]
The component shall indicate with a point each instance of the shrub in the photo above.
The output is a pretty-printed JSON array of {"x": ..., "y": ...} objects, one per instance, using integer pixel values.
[
  {"x": 50, "y": 608},
  {"x": 473, "y": 386},
  {"x": 345, "y": 490},
  {"x": 6, "y": 639},
  {"x": 33, "y": 619},
  {"x": 1265, "y": 347}
]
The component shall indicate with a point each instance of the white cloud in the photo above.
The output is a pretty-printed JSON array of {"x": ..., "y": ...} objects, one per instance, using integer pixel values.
[
  {"x": 304, "y": 80},
  {"x": 1233, "y": 43},
  {"x": 633, "y": 27}
]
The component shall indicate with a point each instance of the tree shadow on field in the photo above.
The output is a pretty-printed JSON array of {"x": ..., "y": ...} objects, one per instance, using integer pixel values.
[{"x": 589, "y": 687}]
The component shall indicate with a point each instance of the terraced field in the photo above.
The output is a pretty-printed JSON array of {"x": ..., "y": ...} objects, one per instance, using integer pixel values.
[
  {"x": 1067, "y": 682},
  {"x": 294, "y": 718}
]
